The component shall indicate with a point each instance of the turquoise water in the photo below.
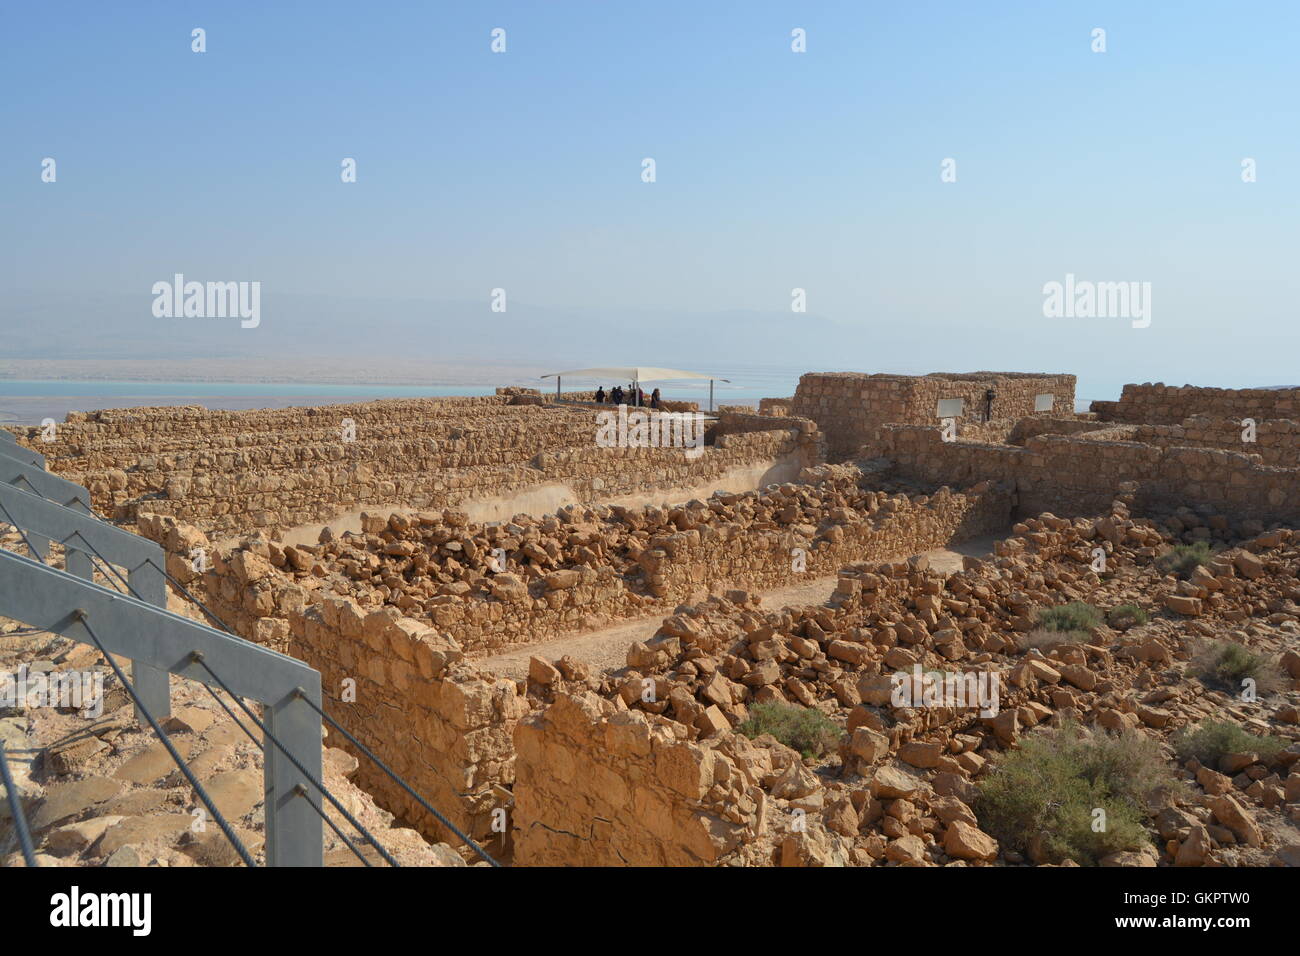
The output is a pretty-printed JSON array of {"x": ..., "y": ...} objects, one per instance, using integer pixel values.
[{"x": 227, "y": 389}]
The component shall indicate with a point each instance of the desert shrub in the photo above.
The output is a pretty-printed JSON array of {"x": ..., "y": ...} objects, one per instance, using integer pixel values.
[
  {"x": 1044, "y": 640},
  {"x": 1225, "y": 664},
  {"x": 1183, "y": 559},
  {"x": 805, "y": 729},
  {"x": 1123, "y": 616},
  {"x": 1210, "y": 740},
  {"x": 1075, "y": 616},
  {"x": 1048, "y": 788}
]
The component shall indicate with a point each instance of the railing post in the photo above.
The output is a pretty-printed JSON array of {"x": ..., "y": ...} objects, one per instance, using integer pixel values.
[
  {"x": 40, "y": 544},
  {"x": 76, "y": 561},
  {"x": 151, "y": 683},
  {"x": 293, "y": 828}
]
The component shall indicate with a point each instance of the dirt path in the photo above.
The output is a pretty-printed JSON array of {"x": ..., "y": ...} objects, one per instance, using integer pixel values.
[{"x": 606, "y": 648}]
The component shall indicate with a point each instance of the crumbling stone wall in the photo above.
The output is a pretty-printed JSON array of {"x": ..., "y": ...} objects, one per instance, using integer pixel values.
[
  {"x": 1277, "y": 441},
  {"x": 443, "y": 726},
  {"x": 905, "y": 785},
  {"x": 887, "y": 526},
  {"x": 1162, "y": 404},
  {"x": 1026, "y": 428},
  {"x": 584, "y": 567},
  {"x": 1078, "y": 475},
  {"x": 601, "y": 776},
  {"x": 600, "y": 787},
  {"x": 998, "y": 430},
  {"x": 740, "y": 421},
  {"x": 235, "y": 472},
  {"x": 398, "y": 685},
  {"x": 849, "y": 406}
]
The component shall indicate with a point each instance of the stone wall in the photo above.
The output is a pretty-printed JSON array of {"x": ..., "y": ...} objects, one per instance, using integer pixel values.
[
  {"x": 775, "y": 406},
  {"x": 442, "y": 726},
  {"x": 584, "y": 567},
  {"x": 849, "y": 406},
  {"x": 739, "y": 421},
  {"x": 396, "y": 684},
  {"x": 998, "y": 430},
  {"x": 1079, "y": 475},
  {"x": 1026, "y": 428},
  {"x": 1277, "y": 441},
  {"x": 401, "y": 686},
  {"x": 235, "y": 472},
  {"x": 1161, "y": 404},
  {"x": 600, "y": 787},
  {"x": 617, "y": 777}
]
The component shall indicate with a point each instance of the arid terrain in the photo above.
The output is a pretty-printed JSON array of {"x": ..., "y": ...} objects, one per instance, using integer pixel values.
[{"x": 937, "y": 620}]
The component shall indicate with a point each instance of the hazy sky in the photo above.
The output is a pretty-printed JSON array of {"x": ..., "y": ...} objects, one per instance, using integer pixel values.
[{"x": 775, "y": 169}]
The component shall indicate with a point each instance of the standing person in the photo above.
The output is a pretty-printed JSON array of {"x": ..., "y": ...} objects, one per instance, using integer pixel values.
[
  {"x": 654, "y": 398},
  {"x": 616, "y": 395},
  {"x": 600, "y": 395}
]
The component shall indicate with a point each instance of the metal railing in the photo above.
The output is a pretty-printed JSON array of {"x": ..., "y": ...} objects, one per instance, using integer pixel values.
[
  {"x": 158, "y": 642},
  {"x": 44, "y": 507}
]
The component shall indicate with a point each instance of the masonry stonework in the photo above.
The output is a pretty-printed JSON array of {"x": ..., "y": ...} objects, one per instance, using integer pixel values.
[
  {"x": 849, "y": 406},
  {"x": 1168, "y": 404},
  {"x": 588, "y": 769},
  {"x": 271, "y": 470}
]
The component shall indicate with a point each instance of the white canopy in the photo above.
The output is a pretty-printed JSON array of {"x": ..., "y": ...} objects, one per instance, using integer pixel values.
[{"x": 634, "y": 373}]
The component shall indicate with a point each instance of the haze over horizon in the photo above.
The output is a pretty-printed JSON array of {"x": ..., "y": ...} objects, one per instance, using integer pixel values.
[{"x": 775, "y": 171}]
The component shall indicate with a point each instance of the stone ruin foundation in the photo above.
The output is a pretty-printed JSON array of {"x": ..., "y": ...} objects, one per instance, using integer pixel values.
[{"x": 851, "y": 477}]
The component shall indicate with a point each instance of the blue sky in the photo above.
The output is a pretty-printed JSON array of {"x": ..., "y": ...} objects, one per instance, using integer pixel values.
[{"x": 775, "y": 170}]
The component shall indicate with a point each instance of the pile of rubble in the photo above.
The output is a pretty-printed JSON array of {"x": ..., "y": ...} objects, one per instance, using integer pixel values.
[
  {"x": 900, "y": 788},
  {"x": 531, "y": 579}
]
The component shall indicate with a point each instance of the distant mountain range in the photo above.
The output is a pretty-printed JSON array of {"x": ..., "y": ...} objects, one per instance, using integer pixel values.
[
  {"x": 303, "y": 326},
  {"x": 322, "y": 339}
]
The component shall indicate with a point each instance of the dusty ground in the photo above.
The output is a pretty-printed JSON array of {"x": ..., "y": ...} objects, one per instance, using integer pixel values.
[{"x": 606, "y": 649}]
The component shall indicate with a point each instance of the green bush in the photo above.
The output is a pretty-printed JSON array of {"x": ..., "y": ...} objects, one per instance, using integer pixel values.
[
  {"x": 1075, "y": 616},
  {"x": 1123, "y": 616},
  {"x": 1183, "y": 559},
  {"x": 805, "y": 729},
  {"x": 1225, "y": 664},
  {"x": 1049, "y": 787},
  {"x": 1210, "y": 740}
]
